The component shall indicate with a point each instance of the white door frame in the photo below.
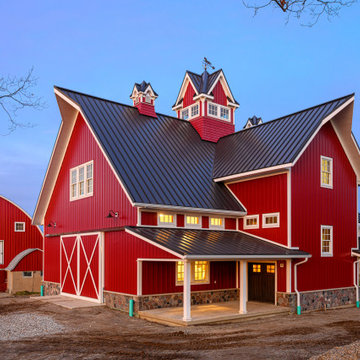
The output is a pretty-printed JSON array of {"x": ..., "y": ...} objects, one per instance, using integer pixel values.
[{"x": 76, "y": 282}]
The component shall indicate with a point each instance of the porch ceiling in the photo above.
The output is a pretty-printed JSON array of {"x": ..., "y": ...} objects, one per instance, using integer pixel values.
[{"x": 213, "y": 244}]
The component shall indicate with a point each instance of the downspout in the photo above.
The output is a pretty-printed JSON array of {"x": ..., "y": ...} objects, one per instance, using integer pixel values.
[
  {"x": 298, "y": 307},
  {"x": 356, "y": 277}
]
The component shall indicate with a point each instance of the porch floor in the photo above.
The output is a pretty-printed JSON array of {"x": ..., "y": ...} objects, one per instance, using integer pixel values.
[{"x": 212, "y": 313}]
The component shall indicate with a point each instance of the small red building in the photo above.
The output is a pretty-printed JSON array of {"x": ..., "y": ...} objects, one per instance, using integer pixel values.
[
  {"x": 173, "y": 211},
  {"x": 21, "y": 246}
]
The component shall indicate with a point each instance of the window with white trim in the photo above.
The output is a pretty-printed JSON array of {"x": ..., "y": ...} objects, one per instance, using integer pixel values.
[
  {"x": 271, "y": 220},
  {"x": 192, "y": 221},
  {"x": 190, "y": 112},
  {"x": 194, "y": 110},
  {"x": 82, "y": 181},
  {"x": 326, "y": 172},
  {"x": 216, "y": 223},
  {"x": 19, "y": 226},
  {"x": 200, "y": 272},
  {"x": 185, "y": 114},
  {"x": 218, "y": 111},
  {"x": 1, "y": 251},
  {"x": 166, "y": 219},
  {"x": 148, "y": 98},
  {"x": 326, "y": 240},
  {"x": 251, "y": 222}
]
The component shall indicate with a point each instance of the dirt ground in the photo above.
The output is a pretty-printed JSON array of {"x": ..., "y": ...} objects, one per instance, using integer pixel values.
[{"x": 99, "y": 332}]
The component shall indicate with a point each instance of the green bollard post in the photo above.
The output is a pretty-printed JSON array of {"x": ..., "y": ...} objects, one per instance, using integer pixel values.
[
  {"x": 298, "y": 310},
  {"x": 42, "y": 290},
  {"x": 131, "y": 308},
  {"x": 358, "y": 304}
]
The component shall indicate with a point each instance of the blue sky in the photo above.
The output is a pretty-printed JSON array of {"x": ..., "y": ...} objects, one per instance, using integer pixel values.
[{"x": 103, "y": 47}]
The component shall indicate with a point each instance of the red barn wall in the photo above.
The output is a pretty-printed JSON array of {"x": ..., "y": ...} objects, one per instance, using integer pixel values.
[
  {"x": 219, "y": 94},
  {"x": 30, "y": 262},
  {"x": 188, "y": 96},
  {"x": 263, "y": 196},
  {"x": 52, "y": 259},
  {"x": 87, "y": 213},
  {"x": 313, "y": 206},
  {"x": 16, "y": 242}
]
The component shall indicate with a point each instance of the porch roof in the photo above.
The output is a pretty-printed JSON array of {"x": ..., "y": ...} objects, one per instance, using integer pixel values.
[{"x": 213, "y": 244}]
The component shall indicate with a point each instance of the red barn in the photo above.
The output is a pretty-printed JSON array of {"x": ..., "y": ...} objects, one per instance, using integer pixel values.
[
  {"x": 174, "y": 211},
  {"x": 20, "y": 250}
]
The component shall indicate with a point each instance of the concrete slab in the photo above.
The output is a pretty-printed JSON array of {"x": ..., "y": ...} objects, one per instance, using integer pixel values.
[
  {"x": 68, "y": 302},
  {"x": 212, "y": 313}
]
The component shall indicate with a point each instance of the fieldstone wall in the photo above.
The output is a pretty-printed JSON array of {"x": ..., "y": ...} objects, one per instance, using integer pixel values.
[
  {"x": 51, "y": 288},
  {"x": 318, "y": 300},
  {"x": 150, "y": 302}
]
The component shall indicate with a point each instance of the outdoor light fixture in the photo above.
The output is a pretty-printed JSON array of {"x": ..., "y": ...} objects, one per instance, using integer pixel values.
[
  {"x": 51, "y": 224},
  {"x": 112, "y": 214}
]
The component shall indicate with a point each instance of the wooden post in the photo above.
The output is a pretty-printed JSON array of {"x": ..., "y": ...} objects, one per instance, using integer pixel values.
[
  {"x": 187, "y": 291},
  {"x": 243, "y": 287}
]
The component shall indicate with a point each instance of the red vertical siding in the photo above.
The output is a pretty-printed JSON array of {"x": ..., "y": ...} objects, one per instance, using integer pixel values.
[
  {"x": 149, "y": 218},
  {"x": 205, "y": 222},
  {"x": 230, "y": 224},
  {"x": 281, "y": 276},
  {"x": 313, "y": 206},
  {"x": 188, "y": 96},
  {"x": 261, "y": 196},
  {"x": 219, "y": 94},
  {"x": 159, "y": 277},
  {"x": 87, "y": 213},
  {"x": 121, "y": 252},
  {"x": 16, "y": 242},
  {"x": 31, "y": 262},
  {"x": 52, "y": 259}
]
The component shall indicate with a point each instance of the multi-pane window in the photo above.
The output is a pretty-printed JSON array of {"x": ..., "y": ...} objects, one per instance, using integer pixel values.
[
  {"x": 199, "y": 272},
  {"x": 195, "y": 110},
  {"x": 326, "y": 240},
  {"x": 270, "y": 269},
  {"x": 216, "y": 222},
  {"x": 251, "y": 222},
  {"x": 193, "y": 221},
  {"x": 19, "y": 226},
  {"x": 166, "y": 219},
  {"x": 224, "y": 113},
  {"x": 185, "y": 114},
  {"x": 1, "y": 251},
  {"x": 82, "y": 181},
  {"x": 271, "y": 220},
  {"x": 326, "y": 172},
  {"x": 213, "y": 109},
  {"x": 256, "y": 268},
  {"x": 27, "y": 274}
]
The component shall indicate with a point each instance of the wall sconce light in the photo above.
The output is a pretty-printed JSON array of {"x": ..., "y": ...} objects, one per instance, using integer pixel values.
[
  {"x": 51, "y": 224},
  {"x": 112, "y": 214}
]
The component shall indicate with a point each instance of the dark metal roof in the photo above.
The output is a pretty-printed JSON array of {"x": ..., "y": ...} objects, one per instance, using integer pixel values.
[
  {"x": 272, "y": 143},
  {"x": 160, "y": 160},
  {"x": 143, "y": 86},
  {"x": 203, "y": 82},
  {"x": 212, "y": 243},
  {"x": 356, "y": 251}
]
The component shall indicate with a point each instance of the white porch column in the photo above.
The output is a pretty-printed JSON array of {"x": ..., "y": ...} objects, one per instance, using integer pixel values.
[
  {"x": 243, "y": 287},
  {"x": 139, "y": 277},
  {"x": 187, "y": 291}
]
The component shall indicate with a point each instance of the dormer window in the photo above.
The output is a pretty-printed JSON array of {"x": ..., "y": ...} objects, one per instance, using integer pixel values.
[
  {"x": 218, "y": 111},
  {"x": 148, "y": 98},
  {"x": 166, "y": 219},
  {"x": 190, "y": 112},
  {"x": 185, "y": 114},
  {"x": 194, "y": 110}
]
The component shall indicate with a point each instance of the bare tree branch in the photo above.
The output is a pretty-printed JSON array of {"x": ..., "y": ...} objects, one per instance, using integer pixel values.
[
  {"x": 16, "y": 94},
  {"x": 308, "y": 12}
]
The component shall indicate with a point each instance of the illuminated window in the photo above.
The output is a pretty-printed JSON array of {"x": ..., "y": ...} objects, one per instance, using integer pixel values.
[
  {"x": 270, "y": 269},
  {"x": 216, "y": 222},
  {"x": 82, "y": 181},
  {"x": 326, "y": 240},
  {"x": 195, "y": 110},
  {"x": 199, "y": 272},
  {"x": 326, "y": 172},
  {"x": 251, "y": 222},
  {"x": 256, "y": 268},
  {"x": 271, "y": 220},
  {"x": 193, "y": 221},
  {"x": 185, "y": 114},
  {"x": 167, "y": 219},
  {"x": 19, "y": 227}
]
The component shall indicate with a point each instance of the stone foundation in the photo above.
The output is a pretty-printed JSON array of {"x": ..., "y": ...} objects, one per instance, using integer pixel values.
[
  {"x": 51, "y": 288},
  {"x": 150, "y": 302},
  {"x": 318, "y": 300}
]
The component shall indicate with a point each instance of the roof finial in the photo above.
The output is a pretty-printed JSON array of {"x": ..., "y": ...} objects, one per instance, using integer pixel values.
[{"x": 206, "y": 63}]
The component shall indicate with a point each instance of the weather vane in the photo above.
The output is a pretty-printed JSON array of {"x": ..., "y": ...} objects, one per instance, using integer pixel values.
[{"x": 206, "y": 63}]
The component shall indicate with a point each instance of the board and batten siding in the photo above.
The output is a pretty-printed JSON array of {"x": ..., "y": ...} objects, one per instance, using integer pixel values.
[{"x": 313, "y": 206}]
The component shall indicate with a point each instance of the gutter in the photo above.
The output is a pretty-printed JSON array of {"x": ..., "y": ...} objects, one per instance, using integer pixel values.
[
  {"x": 356, "y": 280},
  {"x": 298, "y": 307}
]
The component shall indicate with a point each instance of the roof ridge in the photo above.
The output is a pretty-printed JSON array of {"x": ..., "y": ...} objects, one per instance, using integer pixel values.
[{"x": 291, "y": 114}]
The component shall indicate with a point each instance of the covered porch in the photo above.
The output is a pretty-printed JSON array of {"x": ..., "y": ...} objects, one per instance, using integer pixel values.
[{"x": 250, "y": 254}]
